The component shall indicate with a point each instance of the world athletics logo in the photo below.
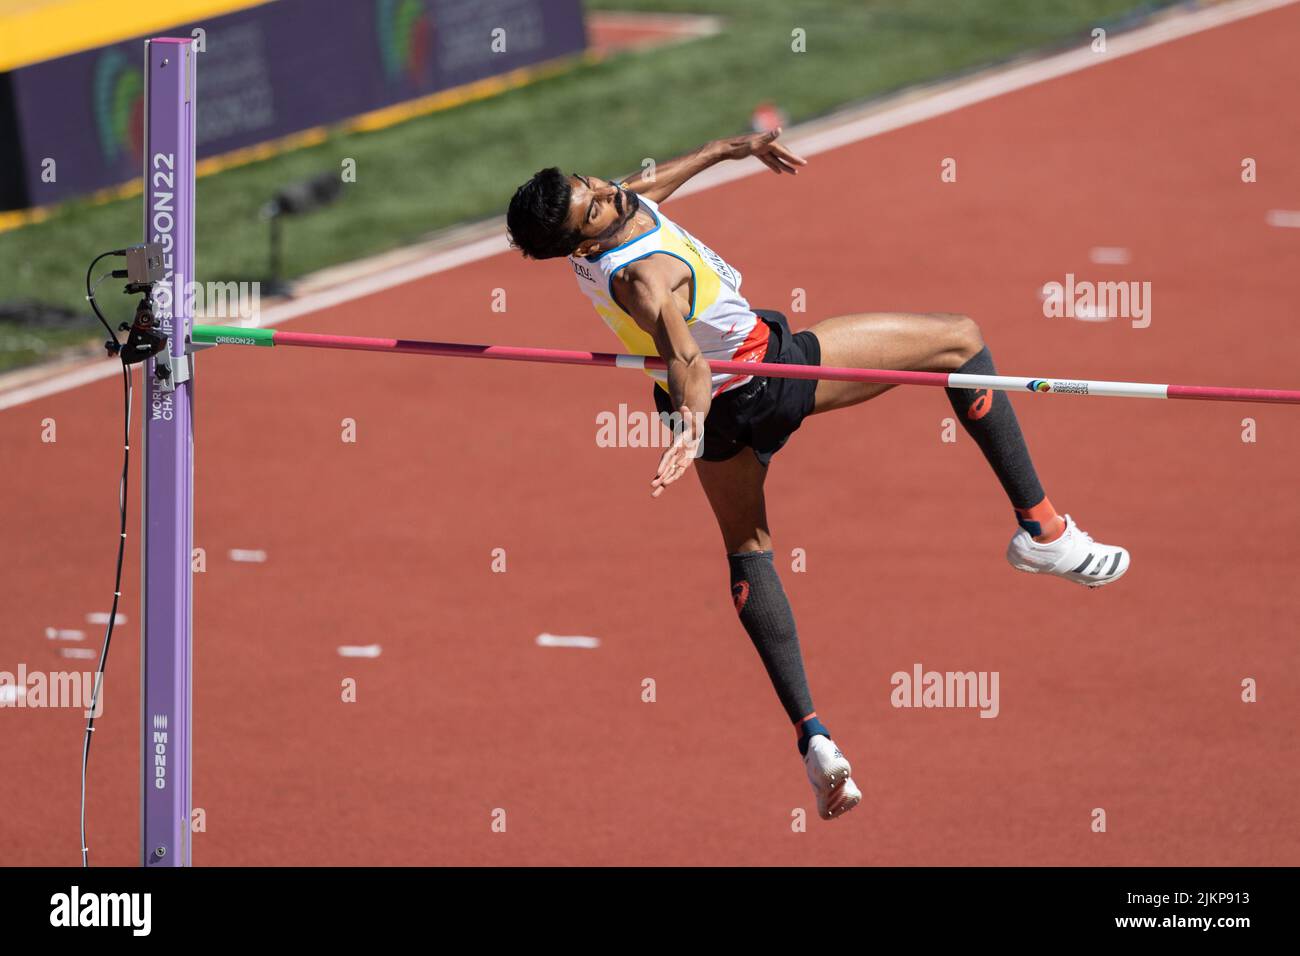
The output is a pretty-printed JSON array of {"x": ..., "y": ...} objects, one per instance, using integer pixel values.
[
  {"x": 1038, "y": 385},
  {"x": 118, "y": 96},
  {"x": 405, "y": 33}
]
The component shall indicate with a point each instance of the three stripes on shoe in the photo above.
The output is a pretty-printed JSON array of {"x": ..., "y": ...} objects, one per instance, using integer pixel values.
[{"x": 1097, "y": 569}]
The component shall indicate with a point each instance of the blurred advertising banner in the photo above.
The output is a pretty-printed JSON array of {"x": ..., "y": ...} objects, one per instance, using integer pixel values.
[{"x": 264, "y": 73}]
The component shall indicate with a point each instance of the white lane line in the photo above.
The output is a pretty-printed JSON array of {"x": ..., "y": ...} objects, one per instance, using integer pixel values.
[
  {"x": 101, "y": 617},
  {"x": 248, "y": 556},
  {"x": 1091, "y": 313},
  {"x": 559, "y": 640},
  {"x": 1110, "y": 255},
  {"x": 356, "y": 650},
  {"x": 64, "y": 634},
  {"x": 1283, "y": 218},
  {"x": 855, "y": 129}
]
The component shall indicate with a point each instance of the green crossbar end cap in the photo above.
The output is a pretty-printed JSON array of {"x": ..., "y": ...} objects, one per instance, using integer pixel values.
[{"x": 231, "y": 335}]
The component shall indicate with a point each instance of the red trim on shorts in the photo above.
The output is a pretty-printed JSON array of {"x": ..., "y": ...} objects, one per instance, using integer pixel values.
[{"x": 753, "y": 349}]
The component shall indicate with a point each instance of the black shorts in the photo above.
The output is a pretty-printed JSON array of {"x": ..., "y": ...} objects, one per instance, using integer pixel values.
[{"x": 763, "y": 413}]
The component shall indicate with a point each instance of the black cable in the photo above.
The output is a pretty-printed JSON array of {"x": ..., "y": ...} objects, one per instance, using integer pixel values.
[
  {"x": 90, "y": 294},
  {"x": 127, "y": 395}
]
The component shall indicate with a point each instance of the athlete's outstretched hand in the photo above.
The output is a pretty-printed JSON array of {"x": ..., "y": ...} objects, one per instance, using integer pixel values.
[
  {"x": 675, "y": 461},
  {"x": 766, "y": 149}
]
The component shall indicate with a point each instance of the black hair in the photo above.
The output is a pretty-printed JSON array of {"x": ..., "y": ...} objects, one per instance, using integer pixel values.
[{"x": 537, "y": 214}]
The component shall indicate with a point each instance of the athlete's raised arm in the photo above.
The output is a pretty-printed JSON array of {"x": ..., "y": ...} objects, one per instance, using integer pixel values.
[
  {"x": 645, "y": 290},
  {"x": 660, "y": 181}
]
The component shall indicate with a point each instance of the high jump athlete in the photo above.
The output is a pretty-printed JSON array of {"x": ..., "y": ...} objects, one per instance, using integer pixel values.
[{"x": 665, "y": 293}]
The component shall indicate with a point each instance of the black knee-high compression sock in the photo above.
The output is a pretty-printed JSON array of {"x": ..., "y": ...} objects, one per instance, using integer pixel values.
[
  {"x": 989, "y": 418},
  {"x": 765, "y": 612}
]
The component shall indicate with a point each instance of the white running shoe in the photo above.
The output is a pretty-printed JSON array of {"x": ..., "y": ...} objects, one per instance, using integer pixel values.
[
  {"x": 828, "y": 772},
  {"x": 1073, "y": 556}
]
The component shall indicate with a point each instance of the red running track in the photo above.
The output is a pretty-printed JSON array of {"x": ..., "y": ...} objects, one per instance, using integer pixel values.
[{"x": 1125, "y": 699}]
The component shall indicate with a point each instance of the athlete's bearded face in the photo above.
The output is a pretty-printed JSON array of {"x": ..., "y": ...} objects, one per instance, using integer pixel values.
[{"x": 598, "y": 209}]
